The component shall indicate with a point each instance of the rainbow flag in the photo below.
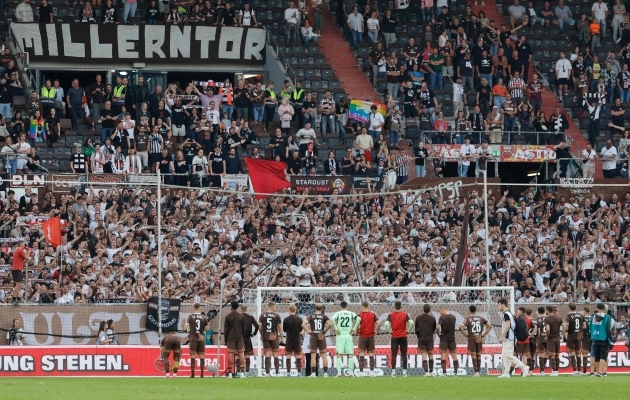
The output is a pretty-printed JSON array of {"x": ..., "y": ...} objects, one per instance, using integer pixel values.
[
  {"x": 37, "y": 126},
  {"x": 360, "y": 110}
]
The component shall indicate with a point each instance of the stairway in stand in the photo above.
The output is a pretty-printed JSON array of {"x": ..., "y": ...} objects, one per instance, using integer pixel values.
[
  {"x": 352, "y": 78},
  {"x": 343, "y": 62},
  {"x": 549, "y": 100}
]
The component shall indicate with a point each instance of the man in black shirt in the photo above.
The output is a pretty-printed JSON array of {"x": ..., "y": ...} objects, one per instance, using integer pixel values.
[
  {"x": 209, "y": 14},
  {"x": 108, "y": 116},
  {"x": 375, "y": 56},
  {"x": 483, "y": 66},
  {"x": 178, "y": 121},
  {"x": 516, "y": 64},
  {"x": 189, "y": 148},
  {"x": 411, "y": 53},
  {"x": 409, "y": 96},
  {"x": 443, "y": 20},
  {"x": 166, "y": 166},
  {"x": 45, "y": 13},
  {"x": 217, "y": 166},
  {"x": 229, "y": 16},
  {"x": 233, "y": 163},
  {"x": 420, "y": 154},
  {"x": 97, "y": 94},
  {"x": 347, "y": 163},
  {"x": 392, "y": 78},
  {"x": 33, "y": 160},
  {"x": 476, "y": 123},
  {"x": 524, "y": 54},
  {"x": 279, "y": 146},
  {"x": 425, "y": 119},
  {"x": 294, "y": 164},
  {"x": 241, "y": 102}
]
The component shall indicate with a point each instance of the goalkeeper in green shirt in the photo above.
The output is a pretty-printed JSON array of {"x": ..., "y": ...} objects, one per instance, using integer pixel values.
[{"x": 345, "y": 323}]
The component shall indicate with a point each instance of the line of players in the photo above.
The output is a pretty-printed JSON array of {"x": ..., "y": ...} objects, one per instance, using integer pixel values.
[{"x": 240, "y": 327}]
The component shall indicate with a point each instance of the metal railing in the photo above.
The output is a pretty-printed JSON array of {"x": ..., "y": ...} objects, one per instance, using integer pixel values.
[
  {"x": 22, "y": 63},
  {"x": 457, "y": 137}
]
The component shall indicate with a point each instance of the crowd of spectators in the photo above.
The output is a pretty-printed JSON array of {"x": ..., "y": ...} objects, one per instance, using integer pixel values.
[{"x": 550, "y": 248}]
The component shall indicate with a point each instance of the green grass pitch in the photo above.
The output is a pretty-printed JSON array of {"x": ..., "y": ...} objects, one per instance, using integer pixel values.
[{"x": 555, "y": 388}]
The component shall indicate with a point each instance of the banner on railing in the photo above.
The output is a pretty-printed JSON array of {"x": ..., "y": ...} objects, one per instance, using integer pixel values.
[
  {"x": 30, "y": 180},
  {"x": 361, "y": 182},
  {"x": 322, "y": 184},
  {"x": 145, "y": 361},
  {"x": 501, "y": 153},
  {"x": 449, "y": 188},
  {"x": 583, "y": 188},
  {"x": 64, "y": 183},
  {"x": 235, "y": 182}
]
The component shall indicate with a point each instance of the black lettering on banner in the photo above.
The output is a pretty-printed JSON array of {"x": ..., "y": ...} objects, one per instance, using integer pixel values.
[{"x": 141, "y": 43}]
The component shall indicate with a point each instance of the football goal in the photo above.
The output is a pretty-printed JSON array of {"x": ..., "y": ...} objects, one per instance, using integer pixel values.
[{"x": 456, "y": 300}]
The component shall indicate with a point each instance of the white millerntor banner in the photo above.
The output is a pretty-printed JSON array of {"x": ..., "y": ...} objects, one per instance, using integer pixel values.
[{"x": 457, "y": 301}]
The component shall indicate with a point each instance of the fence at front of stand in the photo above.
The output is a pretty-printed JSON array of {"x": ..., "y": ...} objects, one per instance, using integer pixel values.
[{"x": 453, "y": 136}]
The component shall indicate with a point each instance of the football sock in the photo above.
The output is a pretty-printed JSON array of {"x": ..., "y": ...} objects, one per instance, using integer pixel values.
[
  {"x": 202, "y": 365},
  {"x": 584, "y": 362},
  {"x": 248, "y": 363},
  {"x": 530, "y": 363},
  {"x": 542, "y": 361},
  {"x": 351, "y": 364},
  {"x": 403, "y": 356},
  {"x": 557, "y": 358},
  {"x": 361, "y": 363},
  {"x": 325, "y": 370},
  {"x": 425, "y": 365},
  {"x": 455, "y": 365},
  {"x": 552, "y": 363},
  {"x": 176, "y": 366},
  {"x": 167, "y": 366},
  {"x": 298, "y": 363},
  {"x": 192, "y": 367},
  {"x": 430, "y": 364},
  {"x": 267, "y": 364},
  {"x": 573, "y": 363},
  {"x": 339, "y": 364},
  {"x": 578, "y": 361},
  {"x": 372, "y": 362},
  {"x": 511, "y": 370},
  {"x": 276, "y": 361}
]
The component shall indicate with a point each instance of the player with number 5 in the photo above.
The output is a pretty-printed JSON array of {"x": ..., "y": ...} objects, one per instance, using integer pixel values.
[{"x": 345, "y": 323}]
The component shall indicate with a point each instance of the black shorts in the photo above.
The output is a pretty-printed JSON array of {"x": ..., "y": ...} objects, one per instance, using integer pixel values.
[
  {"x": 290, "y": 348},
  {"x": 563, "y": 81},
  {"x": 600, "y": 349},
  {"x": 249, "y": 348},
  {"x": 399, "y": 343},
  {"x": 18, "y": 275},
  {"x": 410, "y": 111}
]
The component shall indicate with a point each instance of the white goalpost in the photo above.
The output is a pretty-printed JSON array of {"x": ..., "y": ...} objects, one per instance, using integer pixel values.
[{"x": 457, "y": 301}]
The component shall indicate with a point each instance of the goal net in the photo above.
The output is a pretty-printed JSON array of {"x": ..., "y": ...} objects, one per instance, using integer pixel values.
[{"x": 456, "y": 300}]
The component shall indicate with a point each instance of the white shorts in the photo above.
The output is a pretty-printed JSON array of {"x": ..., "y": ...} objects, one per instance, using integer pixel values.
[
  {"x": 21, "y": 163},
  {"x": 179, "y": 131}
]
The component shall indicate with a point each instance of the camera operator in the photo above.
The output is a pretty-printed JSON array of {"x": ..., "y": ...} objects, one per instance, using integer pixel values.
[
  {"x": 15, "y": 335},
  {"x": 484, "y": 154}
]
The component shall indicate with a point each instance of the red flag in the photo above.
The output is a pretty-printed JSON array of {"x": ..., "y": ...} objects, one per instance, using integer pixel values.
[
  {"x": 267, "y": 176},
  {"x": 52, "y": 231}
]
